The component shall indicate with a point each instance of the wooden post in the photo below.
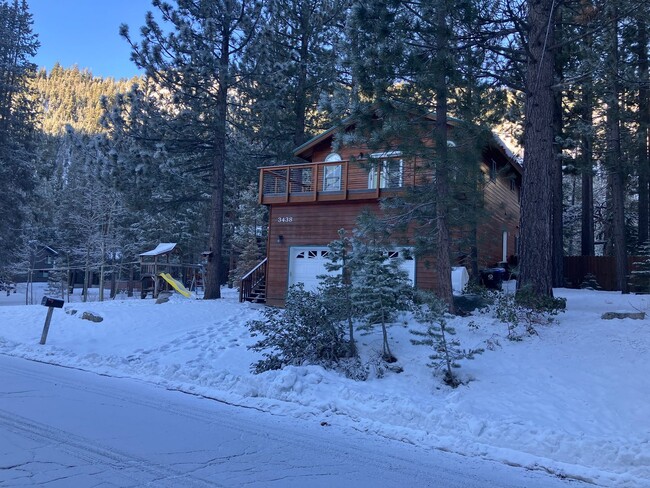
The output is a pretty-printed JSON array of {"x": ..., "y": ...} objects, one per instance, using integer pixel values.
[
  {"x": 46, "y": 327},
  {"x": 51, "y": 304}
]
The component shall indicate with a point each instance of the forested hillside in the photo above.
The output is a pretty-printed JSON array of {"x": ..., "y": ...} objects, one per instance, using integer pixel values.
[
  {"x": 101, "y": 169},
  {"x": 73, "y": 97}
]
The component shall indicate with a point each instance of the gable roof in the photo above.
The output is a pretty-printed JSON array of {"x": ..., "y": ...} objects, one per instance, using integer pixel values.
[{"x": 302, "y": 151}]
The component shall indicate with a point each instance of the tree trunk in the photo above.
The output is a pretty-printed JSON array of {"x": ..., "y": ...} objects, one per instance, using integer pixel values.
[
  {"x": 443, "y": 255},
  {"x": 558, "y": 190},
  {"x": 644, "y": 124},
  {"x": 587, "y": 204},
  {"x": 214, "y": 265},
  {"x": 129, "y": 287},
  {"x": 102, "y": 269},
  {"x": 614, "y": 157},
  {"x": 539, "y": 153},
  {"x": 86, "y": 276}
]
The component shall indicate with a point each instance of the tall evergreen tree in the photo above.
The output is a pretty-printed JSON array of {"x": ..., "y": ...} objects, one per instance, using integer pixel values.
[
  {"x": 539, "y": 151},
  {"x": 297, "y": 59},
  {"x": 643, "y": 164},
  {"x": 410, "y": 58},
  {"x": 194, "y": 56},
  {"x": 613, "y": 159},
  {"x": 17, "y": 121}
]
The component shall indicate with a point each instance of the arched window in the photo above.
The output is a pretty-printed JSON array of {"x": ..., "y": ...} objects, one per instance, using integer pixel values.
[{"x": 333, "y": 157}]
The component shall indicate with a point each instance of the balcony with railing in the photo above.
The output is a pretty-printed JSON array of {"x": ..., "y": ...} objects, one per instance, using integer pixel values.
[{"x": 331, "y": 181}]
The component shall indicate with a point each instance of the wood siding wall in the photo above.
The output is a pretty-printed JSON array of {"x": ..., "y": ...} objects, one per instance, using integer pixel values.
[
  {"x": 317, "y": 224},
  {"x": 502, "y": 213}
]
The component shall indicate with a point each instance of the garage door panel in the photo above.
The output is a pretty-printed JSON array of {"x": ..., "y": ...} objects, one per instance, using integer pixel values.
[{"x": 307, "y": 263}]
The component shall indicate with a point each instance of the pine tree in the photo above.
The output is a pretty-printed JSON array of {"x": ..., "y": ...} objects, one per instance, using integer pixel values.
[
  {"x": 380, "y": 288},
  {"x": 539, "y": 152},
  {"x": 438, "y": 335},
  {"x": 195, "y": 58},
  {"x": 297, "y": 64},
  {"x": 410, "y": 61},
  {"x": 248, "y": 237},
  {"x": 640, "y": 274},
  {"x": 17, "y": 122},
  {"x": 337, "y": 287}
]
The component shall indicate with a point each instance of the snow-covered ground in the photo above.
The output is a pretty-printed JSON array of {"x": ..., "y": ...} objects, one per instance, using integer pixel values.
[{"x": 574, "y": 400}]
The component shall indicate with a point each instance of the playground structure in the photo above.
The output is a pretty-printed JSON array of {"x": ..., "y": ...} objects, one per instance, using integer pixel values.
[{"x": 161, "y": 269}]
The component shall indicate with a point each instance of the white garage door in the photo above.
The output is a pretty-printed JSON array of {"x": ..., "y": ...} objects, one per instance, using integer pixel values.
[
  {"x": 307, "y": 263},
  {"x": 408, "y": 261}
]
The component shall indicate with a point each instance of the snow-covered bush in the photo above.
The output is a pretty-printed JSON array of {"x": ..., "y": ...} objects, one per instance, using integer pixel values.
[
  {"x": 523, "y": 311},
  {"x": 302, "y": 333},
  {"x": 589, "y": 282},
  {"x": 431, "y": 312}
]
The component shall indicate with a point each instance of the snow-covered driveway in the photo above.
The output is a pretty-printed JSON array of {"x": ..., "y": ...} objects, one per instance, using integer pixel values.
[{"x": 68, "y": 428}]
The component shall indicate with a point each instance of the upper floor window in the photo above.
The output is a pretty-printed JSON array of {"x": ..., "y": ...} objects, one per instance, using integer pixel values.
[
  {"x": 493, "y": 170},
  {"x": 391, "y": 171},
  {"x": 332, "y": 157},
  {"x": 332, "y": 177}
]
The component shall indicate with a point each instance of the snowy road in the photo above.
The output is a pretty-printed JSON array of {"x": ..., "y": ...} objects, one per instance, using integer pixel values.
[{"x": 68, "y": 428}]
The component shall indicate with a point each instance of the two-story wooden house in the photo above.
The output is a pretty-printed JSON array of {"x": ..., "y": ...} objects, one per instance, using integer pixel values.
[{"x": 309, "y": 202}]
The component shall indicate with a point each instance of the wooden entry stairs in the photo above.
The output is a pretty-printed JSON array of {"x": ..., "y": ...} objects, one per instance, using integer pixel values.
[{"x": 253, "y": 284}]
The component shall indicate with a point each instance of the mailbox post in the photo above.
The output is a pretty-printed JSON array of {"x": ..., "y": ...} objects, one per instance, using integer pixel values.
[{"x": 51, "y": 304}]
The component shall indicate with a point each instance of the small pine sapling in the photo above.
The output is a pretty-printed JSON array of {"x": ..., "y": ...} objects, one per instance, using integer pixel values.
[
  {"x": 336, "y": 286},
  {"x": 438, "y": 335},
  {"x": 380, "y": 288},
  {"x": 380, "y": 291}
]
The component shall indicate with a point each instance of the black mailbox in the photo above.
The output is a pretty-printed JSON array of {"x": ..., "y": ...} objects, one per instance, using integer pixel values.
[{"x": 52, "y": 302}]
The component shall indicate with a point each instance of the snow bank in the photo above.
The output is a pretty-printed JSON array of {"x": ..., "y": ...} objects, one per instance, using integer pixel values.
[{"x": 572, "y": 401}]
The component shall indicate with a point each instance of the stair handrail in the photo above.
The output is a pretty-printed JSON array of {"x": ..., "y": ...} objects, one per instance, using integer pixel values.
[{"x": 251, "y": 279}]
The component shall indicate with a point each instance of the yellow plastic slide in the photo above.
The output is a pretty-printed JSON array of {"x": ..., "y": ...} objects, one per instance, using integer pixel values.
[{"x": 177, "y": 285}]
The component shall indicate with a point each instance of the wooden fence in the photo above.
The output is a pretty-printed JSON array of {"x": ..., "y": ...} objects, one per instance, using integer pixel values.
[{"x": 602, "y": 267}]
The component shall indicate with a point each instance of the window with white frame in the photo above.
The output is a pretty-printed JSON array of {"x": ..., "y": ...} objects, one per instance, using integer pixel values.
[
  {"x": 391, "y": 171},
  {"x": 332, "y": 178}
]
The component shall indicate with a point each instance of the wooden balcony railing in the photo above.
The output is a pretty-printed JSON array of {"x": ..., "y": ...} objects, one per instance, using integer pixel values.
[{"x": 329, "y": 181}]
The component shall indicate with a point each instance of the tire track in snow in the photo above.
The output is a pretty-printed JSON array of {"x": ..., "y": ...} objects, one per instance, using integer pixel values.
[{"x": 138, "y": 470}]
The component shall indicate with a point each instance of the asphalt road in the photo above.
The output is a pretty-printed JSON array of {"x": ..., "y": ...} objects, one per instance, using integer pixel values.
[{"x": 62, "y": 427}]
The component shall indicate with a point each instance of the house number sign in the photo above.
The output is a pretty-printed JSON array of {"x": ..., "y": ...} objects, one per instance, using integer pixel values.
[{"x": 285, "y": 220}]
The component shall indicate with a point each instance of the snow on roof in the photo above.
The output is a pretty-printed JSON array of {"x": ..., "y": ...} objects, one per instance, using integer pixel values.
[
  {"x": 162, "y": 248},
  {"x": 48, "y": 248}
]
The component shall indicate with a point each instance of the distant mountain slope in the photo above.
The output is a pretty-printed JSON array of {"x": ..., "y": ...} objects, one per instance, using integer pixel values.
[{"x": 72, "y": 96}]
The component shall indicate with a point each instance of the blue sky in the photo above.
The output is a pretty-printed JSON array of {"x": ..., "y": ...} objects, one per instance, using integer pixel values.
[{"x": 86, "y": 33}]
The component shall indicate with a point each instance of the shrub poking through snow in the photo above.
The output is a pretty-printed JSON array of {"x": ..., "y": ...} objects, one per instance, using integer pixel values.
[
  {"x": 430, "y": 311},
  {"x": 302, "y": 333},
  {"x": 525, "y": 310}
]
